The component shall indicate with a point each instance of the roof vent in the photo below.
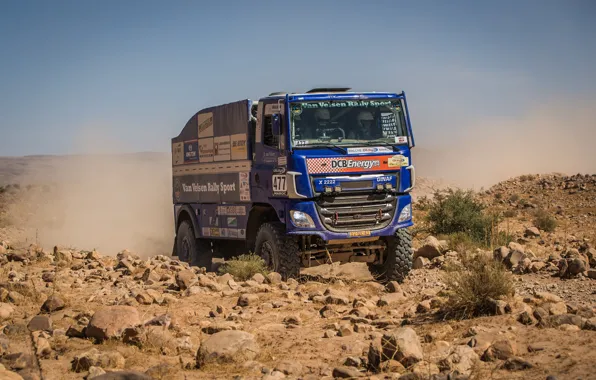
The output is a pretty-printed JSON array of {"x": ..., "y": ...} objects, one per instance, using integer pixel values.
[{"x": 328, "y": 89}]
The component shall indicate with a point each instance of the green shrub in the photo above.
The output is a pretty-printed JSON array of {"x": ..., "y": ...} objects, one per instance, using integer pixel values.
[
  {"x": 243, "y": 267},
  {"x": 544, "y": 221},
  {"x": 514, "y": 198},
  {"x": 457, "y": 211},
  {"x": 474, "y": 284}
]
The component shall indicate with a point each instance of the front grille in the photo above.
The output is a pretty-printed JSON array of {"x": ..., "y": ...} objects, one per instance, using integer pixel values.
[{"x": 354, "y": 212}]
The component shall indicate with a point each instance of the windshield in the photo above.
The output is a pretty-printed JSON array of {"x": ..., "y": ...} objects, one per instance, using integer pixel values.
[{"x": 348, "y": 122}]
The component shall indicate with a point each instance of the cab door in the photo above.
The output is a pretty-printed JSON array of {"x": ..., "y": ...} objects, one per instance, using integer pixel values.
[{"x": 270, "y": 159}]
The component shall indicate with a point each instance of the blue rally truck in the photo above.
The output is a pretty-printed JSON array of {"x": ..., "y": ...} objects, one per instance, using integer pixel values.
[{"x": 300, "y": 179}]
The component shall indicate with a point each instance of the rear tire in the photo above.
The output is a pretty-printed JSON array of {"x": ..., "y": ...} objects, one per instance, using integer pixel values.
[
  {"x": 280, "y": 252},
  {"x": 196, "y": 252},
  {"x": 398, "y": 258}
]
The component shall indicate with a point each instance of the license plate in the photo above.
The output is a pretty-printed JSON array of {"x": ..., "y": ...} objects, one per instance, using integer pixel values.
[{"x": 359, "y": 233}]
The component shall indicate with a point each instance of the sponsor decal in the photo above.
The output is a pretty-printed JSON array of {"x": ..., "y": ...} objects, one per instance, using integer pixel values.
[
  {"x": 359, "y": 233},
  {"x": 238, "y": 146},
  {"x": 206, "y": 150},
  {"x": 209, "y": 187},
  {"x": 401, "y": 139},
  {"x": 177, "y": 153},
  {"x": 233, "y": 232},
  {"x": 221, "y": 148},
  {"x": 191, "y": 151},
  {"x": 214, "y": 231},
  {"x": 231, "y": 210},
  {"x": 370, "y": 149},
  {"x": 244, "y": 186},
  {"x": 232, "y": 221},
  {"x": 279, "y": 170},
  {"x": 398, "y": 160},
  {"x": 348, "y": 164},
  {"x": 205, "y": 124},
  {"x": 282, "y": 161}
]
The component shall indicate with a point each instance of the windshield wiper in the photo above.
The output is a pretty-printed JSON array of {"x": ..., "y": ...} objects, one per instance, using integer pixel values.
[{"x": 328, "y": 145}]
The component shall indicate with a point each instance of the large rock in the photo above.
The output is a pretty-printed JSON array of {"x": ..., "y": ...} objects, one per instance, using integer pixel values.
[
  {"x": 228, "y": 346},
  {"x": 402, "y": 345},
  {"x": 111, "y": 321},
  {"x": 430, "y": 249},
  {"x": 420, "y": 262}
]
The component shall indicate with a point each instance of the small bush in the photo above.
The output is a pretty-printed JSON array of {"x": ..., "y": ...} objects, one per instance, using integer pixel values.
[
  {"x": 457, "y": 211},
  {"x": 544, "y": 221},
  {"x": 514, "y": 198},
  {"x": 474, "y": 284},
  {"x": 243, "y": 267}
]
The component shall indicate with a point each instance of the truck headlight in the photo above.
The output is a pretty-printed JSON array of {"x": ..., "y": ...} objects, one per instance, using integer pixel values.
[
  {"x": 405, "y": 214},
  {"x": 301, "y": 219}
]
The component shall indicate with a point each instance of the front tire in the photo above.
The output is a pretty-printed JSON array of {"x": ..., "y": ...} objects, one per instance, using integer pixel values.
[
  {"x": 196, "y": 252},
  {"x": 398, "y": 258},
  {"x": 279, "y": 251}
]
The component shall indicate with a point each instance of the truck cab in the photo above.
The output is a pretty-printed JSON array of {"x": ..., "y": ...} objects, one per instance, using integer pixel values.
[{"x": 323, "y": 176}]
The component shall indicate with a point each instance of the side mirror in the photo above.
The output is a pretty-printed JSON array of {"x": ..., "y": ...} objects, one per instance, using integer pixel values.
[{"x": 276, "y": 124}]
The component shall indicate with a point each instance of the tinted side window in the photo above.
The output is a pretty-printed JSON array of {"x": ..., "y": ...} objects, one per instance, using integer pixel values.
[{"x": 268, "y": 137}]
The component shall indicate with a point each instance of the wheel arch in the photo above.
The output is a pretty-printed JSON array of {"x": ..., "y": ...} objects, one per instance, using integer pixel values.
[{"x": 260, "y": 213}]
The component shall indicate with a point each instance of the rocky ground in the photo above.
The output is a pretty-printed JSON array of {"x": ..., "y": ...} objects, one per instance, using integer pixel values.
[{"x": 72, "y": 314}]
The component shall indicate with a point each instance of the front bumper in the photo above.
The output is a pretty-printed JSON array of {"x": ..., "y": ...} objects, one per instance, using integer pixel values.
[{"x": 310, "y": 208}]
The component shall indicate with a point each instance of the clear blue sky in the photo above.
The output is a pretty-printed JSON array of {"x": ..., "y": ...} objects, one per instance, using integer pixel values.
[{"x": 137, "y": 70}]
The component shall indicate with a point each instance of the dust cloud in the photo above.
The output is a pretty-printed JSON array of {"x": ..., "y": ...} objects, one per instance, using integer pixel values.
[
  {"x": 555, "y": 137},
  {"x": 104, "y": 201}
]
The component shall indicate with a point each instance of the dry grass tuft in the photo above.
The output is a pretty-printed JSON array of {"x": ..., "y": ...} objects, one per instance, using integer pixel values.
[
  {"x": 243, "y": 267},
  {"x": 474, "y": 284}
]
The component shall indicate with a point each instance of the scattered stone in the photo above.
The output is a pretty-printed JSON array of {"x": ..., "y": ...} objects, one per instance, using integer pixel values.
[
  {"x": 502, "y": 350},
  {"x": 94, "y": 358},
  {"x": 52, "y": 304},
  {"x": 394, "y": 287},
  {"x": 247, "y": 300},
  {"x": 402, "y": 345},
  {"x": 346, "y": 373},
  {"x": 431, "y": 248},
  {"x": 94, "y": 372},
  {"x": 40, "y": 323},
  {"x": 516, "y": 364},
  {"x": 111, "y": 321},
  {"x": 556, "y": 308},
  {"x": 258, "y": 278},
  {"x": 532, "y": 232},
  {"x": 123, "y": 375},
  {"x": 226, "y": 346},
  {"x": 525, "y": 318},
  {"x": 185, "y": 279},
  {"x": 420, "y": 262},
  {"x": 48, "y": 276},
  {"x": 6, "y": 311},
  {"x": 293, "y": 320},
  {"x": 274, "y": 278},
  {"x": 462, "y": 359}
]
